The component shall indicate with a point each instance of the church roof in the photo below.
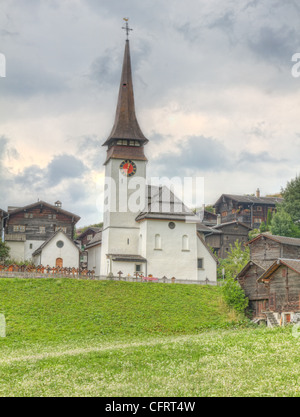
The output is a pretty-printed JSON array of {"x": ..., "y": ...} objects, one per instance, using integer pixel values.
[
  {"x": 126, "y": 125},
  {"x": 163, "y": 204}
]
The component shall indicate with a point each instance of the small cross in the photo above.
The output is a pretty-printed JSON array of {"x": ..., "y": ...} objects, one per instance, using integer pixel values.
[{"x": 127, "y": 28}]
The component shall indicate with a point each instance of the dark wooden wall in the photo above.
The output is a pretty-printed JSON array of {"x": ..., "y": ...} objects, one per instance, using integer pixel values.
[
  {"x": 284, "y": 290},
  {"x": 40, "y": 217}
]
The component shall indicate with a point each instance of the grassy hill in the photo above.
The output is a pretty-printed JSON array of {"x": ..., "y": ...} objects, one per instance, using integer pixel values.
[
  {"x": 61, "y": 309},
  {"x": 87, "y": 338}
]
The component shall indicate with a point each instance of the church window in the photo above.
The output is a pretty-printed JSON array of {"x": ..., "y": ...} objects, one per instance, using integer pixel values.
[
  {"x": 172, "y": 225},
  {"x": 60, "y": 244},
  {"x": 131, "y": 143},
  {"x": 119, "y": 142},
  {"x": 128, "y": 241},
  {"x": 185, "y": 242},
  {"x": 200, "y": 263},
  {"x": 157, "y": 242},
  {"x": 136, "y": 143},
  {"x": 125, "y": 142}
]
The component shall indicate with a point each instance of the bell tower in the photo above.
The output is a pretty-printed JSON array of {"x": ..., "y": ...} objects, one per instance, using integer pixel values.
[{"x": 125, "y": 166}]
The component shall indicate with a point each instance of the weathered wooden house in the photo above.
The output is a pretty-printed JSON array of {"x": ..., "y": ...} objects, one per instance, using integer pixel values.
[
  {"x": 247, "y": 209},
  {"x": 221, "y": 236},
  {"x": 255, "y": 291},
  {"x": 3, "y": 216},
  {"x": 266, "y": 249},
  {"x": 84, "y": 239},
  {"x": 282, "y": 284},
  {"x": 270, "y": 255},
  {"x": 209, "y": 218},
  {"x": 28, "y": 227}
]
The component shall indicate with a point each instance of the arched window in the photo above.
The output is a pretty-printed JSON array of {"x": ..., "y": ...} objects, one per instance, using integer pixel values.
[
  {"x": 157, "y": 242},
  {"x": 185, "y": 242}
]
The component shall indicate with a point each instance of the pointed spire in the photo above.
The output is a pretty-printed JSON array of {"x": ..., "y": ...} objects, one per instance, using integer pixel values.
[{"x": 126, "y": 125}]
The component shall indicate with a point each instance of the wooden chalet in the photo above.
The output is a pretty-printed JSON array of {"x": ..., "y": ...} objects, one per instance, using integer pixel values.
[
  {"x": 28, "y": 227},
  {"x": 85, "y": 237},
  {"x": 3, "y": 216},
  {"x": 266, "y": 249},
  {"x": 247, "y": 209},
  {"x": 38, "y": 221},
  {"x": 271, "y": 280},
  {"x": 282, "y": 284},
  {"x": 225, "y": 234}
]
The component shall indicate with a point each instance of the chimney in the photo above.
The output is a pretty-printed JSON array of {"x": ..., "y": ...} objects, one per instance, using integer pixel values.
[{"x": 258, "y": 193}]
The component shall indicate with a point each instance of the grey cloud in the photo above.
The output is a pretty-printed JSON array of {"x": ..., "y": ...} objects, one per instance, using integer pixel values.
[
  {"x": 196, "y": 153},
  {"x": 106, "y": 68},
  {"x": 262, "y": 157},
  {"x": 63, "y": 167},
  {"x": 275, "y": 45},
  {"x": 60, "y": 168}
]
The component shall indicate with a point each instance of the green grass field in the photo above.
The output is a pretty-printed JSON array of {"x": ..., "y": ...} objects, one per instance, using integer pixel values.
[{"x": 90, "y": 338}]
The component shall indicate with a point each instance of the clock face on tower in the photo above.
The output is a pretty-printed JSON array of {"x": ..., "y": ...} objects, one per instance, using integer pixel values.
[{"x": 128, "y": 168}]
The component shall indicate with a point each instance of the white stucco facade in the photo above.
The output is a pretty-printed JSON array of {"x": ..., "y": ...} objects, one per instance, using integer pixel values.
[{"x": 59, "y": 250}]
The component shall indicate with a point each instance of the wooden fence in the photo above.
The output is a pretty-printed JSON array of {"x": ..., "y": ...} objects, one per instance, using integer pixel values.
[{"x": 31, "y": 271}]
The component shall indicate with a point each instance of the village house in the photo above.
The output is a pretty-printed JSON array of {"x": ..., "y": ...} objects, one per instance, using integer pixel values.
[
  {"x": 159, "y": 240},
  {"x": 3, "y": 216},
  {"x": 282, "y": 283},
  {"x": 247, "y": 209},
  {"x": 267, "y": 251},
  {"x": 223, "y": 235},
  {"x": 83, "y": 240},
  {"x": 28, "y": 228}
]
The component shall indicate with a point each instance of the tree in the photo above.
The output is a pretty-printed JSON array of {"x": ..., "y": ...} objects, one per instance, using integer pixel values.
[
  {"x": 4, "y": 251},
  {"x": 236, "y": 260},
  {"x": 283, "y": 225},
  {"x": 291, "y": 203}
]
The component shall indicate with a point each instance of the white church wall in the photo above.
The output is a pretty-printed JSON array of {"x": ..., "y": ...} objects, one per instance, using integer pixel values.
[
  {"x": 171, "y": 259},
  {"x": 69, "y": 253},
  {"x": 94, "y": 259},
  {"x": 209, "y": 270}
]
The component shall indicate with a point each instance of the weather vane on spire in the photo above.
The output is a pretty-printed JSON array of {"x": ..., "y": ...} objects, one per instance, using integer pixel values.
[{"x": 127, "y": 28}]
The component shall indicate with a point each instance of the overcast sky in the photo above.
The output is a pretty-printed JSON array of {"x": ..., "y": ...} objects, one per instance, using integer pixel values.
[{"x": 214, "y": 94}]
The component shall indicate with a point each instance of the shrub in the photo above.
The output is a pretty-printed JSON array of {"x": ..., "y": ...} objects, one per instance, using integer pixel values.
[{"x": 234, "y": 296}]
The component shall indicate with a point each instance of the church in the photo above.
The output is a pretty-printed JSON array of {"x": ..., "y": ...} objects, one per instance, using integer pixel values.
[{"x": 147, "y": 230}]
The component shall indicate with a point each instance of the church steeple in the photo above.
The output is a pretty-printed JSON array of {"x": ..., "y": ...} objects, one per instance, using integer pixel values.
[{"x": 126, "y": 131}]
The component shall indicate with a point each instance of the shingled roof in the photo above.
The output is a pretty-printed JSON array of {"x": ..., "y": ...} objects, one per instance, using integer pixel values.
[
  {"x": 293, "y": 264},
  {"x": 251, "y": 199},
  {"x": 280, "y": 239},
  {"x": 126, "y": 125},
  {"x": 162, "y": 204}
]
